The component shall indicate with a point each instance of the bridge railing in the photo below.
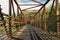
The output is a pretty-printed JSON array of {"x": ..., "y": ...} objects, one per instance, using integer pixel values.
[{"x": 49, "y": 22}]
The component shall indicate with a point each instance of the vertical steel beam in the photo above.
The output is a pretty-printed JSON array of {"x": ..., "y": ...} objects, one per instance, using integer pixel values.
[
  {"x": 19, "y": 18},
  {"x": 40, "y": 20},
  {"x": 35, "y": 21},
  {"x": 18, "y": 6},
  {"x": 10, "y": 35},
  {"x": 17, "y": 11},
  {"x": 24, "y": 19},
  {"x": 13, "y": 8},
  {"x": 57, "y": 14},
  {"x": 44, "y": 13}
]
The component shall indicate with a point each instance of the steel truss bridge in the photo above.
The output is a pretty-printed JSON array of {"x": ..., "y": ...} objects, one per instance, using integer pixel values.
[{"x": 28, "y": 31}]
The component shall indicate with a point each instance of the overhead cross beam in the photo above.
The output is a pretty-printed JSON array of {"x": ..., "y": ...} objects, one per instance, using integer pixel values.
[
  {"x": 37, "y": 5},
  {"x": 41, "y": 8},
  {"x": 37, "y": 2},
  {"x": 28, "y": 4},
  {"x": 31, "y": 7}
]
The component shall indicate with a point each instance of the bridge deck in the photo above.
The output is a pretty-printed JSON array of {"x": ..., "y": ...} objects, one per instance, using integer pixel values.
[
  {"x": 28, "y": 32},
  {"x": 23, "y": 34}
]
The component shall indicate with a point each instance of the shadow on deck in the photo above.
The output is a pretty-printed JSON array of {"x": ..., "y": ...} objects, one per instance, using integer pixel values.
[{"x": 16, "y": 38}]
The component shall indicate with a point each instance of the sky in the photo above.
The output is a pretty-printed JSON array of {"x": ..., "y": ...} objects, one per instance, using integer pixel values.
[
  {"x": 25, "y": 1},
  {"x": 5, "y": 4}
]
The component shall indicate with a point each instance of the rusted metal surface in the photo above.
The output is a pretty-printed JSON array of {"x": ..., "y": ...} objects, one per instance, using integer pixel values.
[
  {"x": 17, "y": 11},
  {"x": 57, "y": 14},
  {"x": 41, "y": 8},
  {"x": 36, "y": 21},
  {"x": 13, "y": 8},
  {"x": 10, "y": 31},
  {"x": 18, "y": 7},
  {"x": 40, "y": 21},
  {"x": 45, "y": 25}
]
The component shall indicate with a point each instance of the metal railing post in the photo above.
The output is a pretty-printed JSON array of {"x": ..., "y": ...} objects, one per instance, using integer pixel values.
[
  {"x": 10, "y": 31},
  {"x": 57, "y": 14},
  {"x": 40, "y": 20},
  {"x": 17, "y": 11},
  {"x": 44, "y": 13}
]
